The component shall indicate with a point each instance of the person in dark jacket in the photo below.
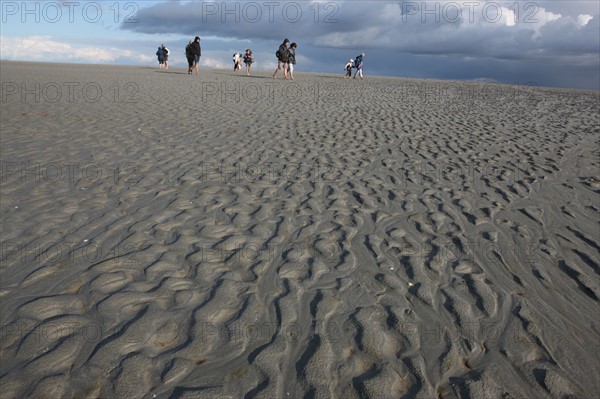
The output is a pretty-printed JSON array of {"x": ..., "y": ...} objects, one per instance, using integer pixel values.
[
  {"x": 161, "y": 57},
  {"x": 248, "y": 60},
  {"x": 189, "y": 56},
  {"x": 358, "y": 64},
  {"x": 196, "y": 52},
  {"x": 282, "y": 59}
]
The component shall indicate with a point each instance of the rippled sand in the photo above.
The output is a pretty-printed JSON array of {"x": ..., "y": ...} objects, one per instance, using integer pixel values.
[{"x": 224, "y": 236}]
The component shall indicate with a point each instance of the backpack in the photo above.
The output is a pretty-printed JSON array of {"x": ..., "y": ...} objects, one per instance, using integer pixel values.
[
  {"x": 188, "y": 51},
  {"x": 278, "y": 54}
]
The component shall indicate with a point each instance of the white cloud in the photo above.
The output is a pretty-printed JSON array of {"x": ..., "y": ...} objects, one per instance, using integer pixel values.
[
  {"x": 214, "y": 63},
  {"x": 543, "y": 17},
  {"x": 583, "y": 19},
  {"x": 145, "y": 58},
  {"x": 510, "y": 17},
  {"x": 45, "y": 48}
]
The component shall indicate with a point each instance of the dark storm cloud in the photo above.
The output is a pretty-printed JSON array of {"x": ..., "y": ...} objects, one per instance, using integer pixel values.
[
  {"x": 523, "y": 36},
  {"x": 465, "y": 28}
]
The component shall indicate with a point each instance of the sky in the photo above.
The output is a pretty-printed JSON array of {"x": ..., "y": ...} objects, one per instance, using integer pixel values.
[{"x": 539, "y": 43}]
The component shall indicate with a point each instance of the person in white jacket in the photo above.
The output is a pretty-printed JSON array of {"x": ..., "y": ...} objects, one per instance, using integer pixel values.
[
  {"x": 237, "y": 62},
  {"x": 348, "y": 68},
  {"x": 166, "y": 53}
]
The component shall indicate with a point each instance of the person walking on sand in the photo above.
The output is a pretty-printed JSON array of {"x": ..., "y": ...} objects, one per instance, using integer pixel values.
[
  {"x": 248, "y": 60},
  {"x": 348, "y": 69},
  {"x": 160, "y": 54},
  {"x": 166, "y": 53},
  {"x": 196, "y": 52},
  {"x": 189, "y": 56},
  {"x": 291, "y": 60},
  {"x": 282, "y": 59},
  {"x": 358, "y": 63},
  {"x": 237, "y": 62}
]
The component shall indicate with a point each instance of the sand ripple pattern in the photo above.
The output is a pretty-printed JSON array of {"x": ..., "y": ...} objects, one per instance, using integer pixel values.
[{"x": 350, "y": 239}]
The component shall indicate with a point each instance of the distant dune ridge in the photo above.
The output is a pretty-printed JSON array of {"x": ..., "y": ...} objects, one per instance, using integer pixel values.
[{"x": 224, "y": 236}]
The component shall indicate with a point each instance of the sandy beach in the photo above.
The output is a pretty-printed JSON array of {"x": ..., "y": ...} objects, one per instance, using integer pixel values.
[{"x": 224, "y": 236}]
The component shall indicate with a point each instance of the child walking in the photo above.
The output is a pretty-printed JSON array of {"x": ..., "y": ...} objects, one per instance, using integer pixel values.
[
  {"x": 237, "y": 62},
  {"x": 348, "y": 69},
  {"x": 292, "y": 60}
]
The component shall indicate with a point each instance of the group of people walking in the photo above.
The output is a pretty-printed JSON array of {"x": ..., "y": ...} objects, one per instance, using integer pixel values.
[
  {"x": 193, "y": 52},
  {"x": 163, "y": 56},
  {"x": 247, "y": 58},
  {"x": 286, "y": 59},
  {"x": 355, "y": 63}
]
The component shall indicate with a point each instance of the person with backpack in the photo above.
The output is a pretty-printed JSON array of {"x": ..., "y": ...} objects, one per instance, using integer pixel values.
[
  {"x": 291, "y": 60},
  {"x": 248, "y": 60},
  {"x": 189, "y": 56},
  {"x": 161, "y": 57},
  {"x": 348, "y": 68},
  {"x": 166, "y": 53},
  {"x": 282, "y": 58},
  {"x": 196, "y": 52},
  {"x": 358, "y": 64}
]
